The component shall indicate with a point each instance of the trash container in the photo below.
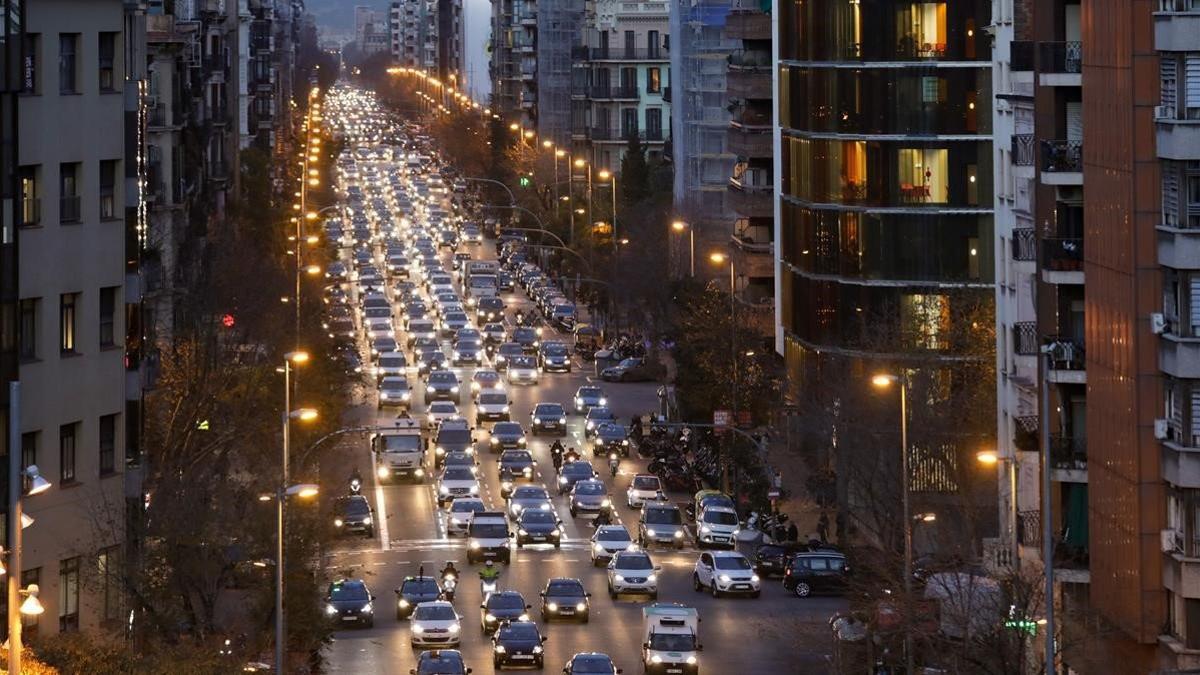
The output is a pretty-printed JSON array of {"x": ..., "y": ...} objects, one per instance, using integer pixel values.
[{"x": 604, "y": 359}]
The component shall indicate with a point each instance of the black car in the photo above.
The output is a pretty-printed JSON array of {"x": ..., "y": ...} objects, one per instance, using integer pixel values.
[
  {"x": 610, "y": 437},
  {"x": 565, "y": 598},
  {"x": 504, "y": 281},
  {"x": 488, "y": 310},
  {"x": 519, "y": 462},
  {"x": 504, "y": 353},
  {"x": 440, "y": 662},
  {"x": 413, "y": 591},
  {"x": 573, "y": 472},
  {"x": 535, "y": 526},
  {"x": 451, "y": 440},
  {"x": 591, "y": 663},
  {"x": 595, "y": 417},
  {"x": 354, "y": 515},
  {"x": 507, "y": 435},
  {"x": 548, "y": 417},
  {"x": 528, "y": 338},
  {"x": 816, "y": 572},
  {"x": 500, "y": 607},
  {"x": 349, "y": 601},
  {"x": 772, "y": 559},
  {"x": 517, "y": 643},
  {"x": 554, "y": 356}
]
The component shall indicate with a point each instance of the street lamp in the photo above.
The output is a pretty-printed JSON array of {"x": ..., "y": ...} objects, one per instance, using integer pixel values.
[
  {"x": 606, "y": 175},
  {"x": 992, "y": 458},
  {"x": 680, "y": 226},
  {"x": 884, "y": 381},
  {"x": 304, "y": 415},
  {"x": 719, "y": 258}
]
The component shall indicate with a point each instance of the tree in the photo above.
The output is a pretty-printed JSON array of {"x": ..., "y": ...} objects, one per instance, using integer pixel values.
[{"x": 635, "y": 174}]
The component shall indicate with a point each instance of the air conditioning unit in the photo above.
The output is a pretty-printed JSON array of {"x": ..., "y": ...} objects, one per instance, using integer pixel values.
[
  {"x": 1158, "y": 323},
  {"x": 1163, "y": 112},
  {"x": 1171, "y": 539},
  {"x": 1161, "y": 429}
]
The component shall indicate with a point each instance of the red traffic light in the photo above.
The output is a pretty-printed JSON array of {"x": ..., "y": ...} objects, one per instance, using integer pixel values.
[{"x": 227, "y": 321}]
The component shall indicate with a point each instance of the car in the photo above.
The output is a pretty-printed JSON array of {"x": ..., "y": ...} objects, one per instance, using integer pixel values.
[
  {"x": 442, "y": 386},
  {"x": 382, "y": 344},
  {"x": 632, "y": 369},
  {"x": 354, "y": 514},
  {"x": 607, "y": 541},
  {"x": 506, "y": 435},
  {"x": 522, "y": 370},
  {"x": 493, "y": 334},
  {"x": 573, "y": 472},
  {"x": 394, "y": 392},
  {"x": 438, "y": 411},
  {"x": 610, "y": 437},
  {"x": 589, "y": 396},
  {"x": 456, "y": 481},
  {"x": 632, "y": 572},
  {"x": 565, "y": 598},
  {"x": 488, "y": 537},
  {"x": 489, "y": 309},
  {"x": 504, "y": 281},
  {"x": 349, "y": 601},
  {"x": 535, "y": 526},
  {"x": 519, "y": 461},
  {"x": 529, "y": 497},
  {"x": 435, "y": 623},
  {"x": 460, "y": 458},
  {"x": 504, "y": 353},
  {"x": 471, "y": 235},
  {"x": 413, "y": 591},
  {"x": 492, "y": 405},
  {"x": 725, "y": 572},
  {"x": 596, "y": 416},
  {"x": 548, "y": 417},
  {"x": 717, "y": 525},
  {"x": 590, "y": 663},
  {"x": 815, "y": 572},
  {"x": 440, "y": 662},
  {"x": 502, "y": 606},
  {"x": 484, "y": 380},
  {"x": 588, "y": 495},
  {"x": 528, "y": 338},
  {"x": 517, "y": 643},
  {"x": 452, "y": 321},
  {"x": 420, "y": 329},
  {"x": 390, "y": 364},
  {"x": 660, "y": 523},
  {"x": 554, "y": 357},
  {"x": 644, "y": 487},
  {"x": 459, "y": 514},
  {"x": 468, "y": 351}
]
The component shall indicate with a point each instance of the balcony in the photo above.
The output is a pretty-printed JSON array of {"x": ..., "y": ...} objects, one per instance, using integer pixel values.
[
  {"x": 751, "y": 199},
  {"x": 1176, "y": 25},
  {"x": 619, "y": 54},
  {"x": 1062, "y": 260},
  {"x": 1021, "y": 56},
  {"x": 69, "y": 209},
  {"x": 524, "y": 46},
  {"x": 1179, "y": 356},
  {"x": 608, "y": 93},
  {"x": 1067, "y": 361},
  {"x": 749, "y": 75},
  {"x": 1025, "y": 340},
  {"x": 1023, "y": 153},
  {"x": 1024, "y": 244},
  {"x": 1060, "y": 64},
  {"x": 1062, "y": 162},
  {"x": 749, "y": 142},
  {"x": 1068, "y": 459},
  {"x": 1179, "y": 247},
  {"x": 1177, "y": 130},
  {"x": 747, "y": 24}
]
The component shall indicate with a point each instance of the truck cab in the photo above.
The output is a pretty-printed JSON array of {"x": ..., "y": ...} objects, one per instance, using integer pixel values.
[
  {"x": 670, "y": 639},
  {"x": 399, "y": 451}
]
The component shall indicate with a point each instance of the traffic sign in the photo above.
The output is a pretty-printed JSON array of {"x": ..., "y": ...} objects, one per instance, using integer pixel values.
[{"x": 721, "y": 419}]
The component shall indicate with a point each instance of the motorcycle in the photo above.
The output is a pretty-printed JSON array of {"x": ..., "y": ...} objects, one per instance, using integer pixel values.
[
  {"x": 506, "y": 487},
  {"x": 488, "y": 586},
  {"x": 355, "y": 485},
  {"x": 449, "y": 583},
  {"x": 614, "y": 463}
]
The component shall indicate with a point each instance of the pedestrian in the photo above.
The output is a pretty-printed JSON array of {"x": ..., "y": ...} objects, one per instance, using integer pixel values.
[
  {"x": 793, "y": 533},
  {"x": 823, "y": 527}
]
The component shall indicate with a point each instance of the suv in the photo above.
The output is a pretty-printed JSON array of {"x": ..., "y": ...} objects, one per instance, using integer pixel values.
[
  {"x": 809, "y": 573},
  {"x": 661, "y": 523},
  {"x": 726, "y": 572},
  {"x": 488, "y": 537}
]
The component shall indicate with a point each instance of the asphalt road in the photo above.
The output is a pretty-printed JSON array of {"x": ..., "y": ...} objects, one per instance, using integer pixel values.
[{"x": 738, "y": 634}]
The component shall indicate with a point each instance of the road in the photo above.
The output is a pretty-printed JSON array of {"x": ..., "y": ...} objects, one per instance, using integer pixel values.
[{"x": 738, "y": 634}]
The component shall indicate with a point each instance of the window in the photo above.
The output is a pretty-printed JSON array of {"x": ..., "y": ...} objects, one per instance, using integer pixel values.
[
  {"x": 68, "y": 63},
  {"x": 68, "y": 191},
  {"x": 68, "y": 595},
  {"x": 108, "y": 307},
  {"x": 108, "y": 193},
  {"x": 922, "y": 27},
  {"x": 108, "y": 445},
  {"x": 924, "y": 320},
  {"x": 27, "y": 329},
  {"x": 29, "y": 623},
  {"x": 31, "y": 81},
  {"x": 67, "y": 304},
  {"x": 29, "y": 448},
  {"x": 31, "y": 202},
  {"x": 923, "y": 175},
  {"x": 107, "y": 61},
  {"x": 629, "y": 122},
  {"x": 654, "y": 131},
  {"x": 652, "y": 44},
  {"x": 630, "y": 44},
  {"x": 653, "y": 81},
  {"x": 108, "y": 572},
  {"x": 66, "y": 452}
]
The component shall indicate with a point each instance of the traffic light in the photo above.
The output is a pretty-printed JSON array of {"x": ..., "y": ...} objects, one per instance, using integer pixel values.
[{"x": 524, "y": 181}]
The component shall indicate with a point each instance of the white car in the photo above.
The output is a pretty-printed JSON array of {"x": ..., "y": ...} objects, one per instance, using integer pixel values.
[
  {"x": 717, "y": 525},
  {"x": 492, "y": 404},
  {"x": 608, "y": 540},
  {"x": 456, "y": 481},
  {"x": 380, "y": 328},
  {"x": 436, "y": 624},
  {"x": 644, "y": 487},
  {"x": 522, "y": 370},
  {"x": 461, "y": 510},
  {"x": 439, "y": 411},
  {"x": 725, "y": 572},
  {"x": 391, "y": 363},
  {"x": 632, "y": 572}
]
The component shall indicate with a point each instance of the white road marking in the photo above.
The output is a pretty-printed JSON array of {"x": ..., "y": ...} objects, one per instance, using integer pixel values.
[{"x": 381, "y": 511}]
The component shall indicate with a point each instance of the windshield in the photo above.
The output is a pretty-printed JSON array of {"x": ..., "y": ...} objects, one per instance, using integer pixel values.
[
  {"x": 395, "y": 385},
  {"x": 568, "y": 588},
  {"x": 458, "y": 473},
  {"x": 392, "y": 361},
  {"x": 520, "y": 631},
  {"x": 463, "y": 507},
  {"x": 523, "y": 362},
  {"x": 589, "y": 488},
  {"x": 548, "y": 410},
  {"x": 720, "y": 518},
  {"x": 516, "y": 456},
  {"x": 530, "y": 517},
  {"x": 613, "y": 535},
  {"x": 555, "y": 350},
  {"x": 645, "y": 483},
  {"x": 482, "y": 281},
  {"x": 732, "y": 563},
  {"x": 530, "y": 493},
  {"x": 401, "y": 443},
  {"x": 443, "y": 378},
  {"x": 454, "y": 437},
  {"x": 506, "y": 601},
  {"x": 578, "y": 469},
  {"x": 440, "y": 664},
  {"x": 500, "y": 398},
  {"x": 671, "y": 642},
  {"x": 600, "y": 414},
  {"x": 456, "y": 317},
  {"x": 639, "y": 561},
  {"x": 592, "y": 665},
  {"x": 662, "y": 516},
  {"x": 356, "y": 507},
  {"x": 353, "y": 590},
  {"x": 504, "y": 427},
  {"x": 489, "y": 531},
  {"x": 419, "y": 587},
  {"x": 435, "y": 613},
  {"x": 589, "y": 392},
  {"x": 524, "y": 334},
  {"x": 443, "y": 407}
]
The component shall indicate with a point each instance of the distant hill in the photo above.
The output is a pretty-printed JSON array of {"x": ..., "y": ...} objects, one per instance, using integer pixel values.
[{"x": 338, "y": 15}]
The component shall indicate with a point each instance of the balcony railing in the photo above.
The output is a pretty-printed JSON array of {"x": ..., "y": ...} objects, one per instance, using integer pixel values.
[
  {"x": 1025, "y": 338},
  {"x": 1024, "y": 244},
  {"x": 1029, "y": 528},
  {"x": 619, "y": 54},
  {"x": 1066, "y": 353},
  {"x": 1063, "y": 255},
  {"x": 1179, "y": 6},
  {"x": 1022, "y": 149},
  {"x": 666, "y": 94},
  {"x": 1060, "y": 57},
  {"x": 1021, "y": 56},
  {"x": 69, "y": 210},
  {"x": 1062, "y": 156},
  {"x": 1068, "y": 452},
  {"x": 750, "y": 59},
  {"x": 609, "y": 92}
]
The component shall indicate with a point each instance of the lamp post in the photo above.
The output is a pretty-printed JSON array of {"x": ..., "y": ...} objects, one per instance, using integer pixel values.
[
  {"x": 992, "y": 458},
  {"x": 720, "y": 259},
  {"x": 15, "y": 522},
  {"x": 607, "y": 175},
  {"x": 680, "y": 226},
  {"x": 581, "y": 163},
  {"x": 883, "y": 381},
  {"x": 287, "y": 416},
  {"x": 559, "y": 153}
]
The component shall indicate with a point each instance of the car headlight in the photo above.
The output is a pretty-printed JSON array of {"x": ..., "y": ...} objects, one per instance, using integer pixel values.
[
  {"x": 705, "y": 529},
  {"x": 522, "y": 532},
  {"x": 367, "y": 608},
  {"x": 552, "y": 606},
  {"x": 440, "y": 450},
  {"x": 419, "y": 473},
  {"x": 418, "y": 629},
  {"x": 475, "y": 545},
  {"x": 475, "y": 488},
  {"x": 406, "y": 396},
  {"x": 606, "y": 502},
  {"x": 656, "y": 659},
  {"x": 679, "y": 534},
  {"x": 499, "y": 649},
  {"x": 599, "y": 441},
  {"x": 591, "y": 425},
  {"x": 754, "y": 578},
  {"x": 382, "y": 472},
  {"x": 537, "y": 649},
  {"x": 578, "y": 401},
  {"x": 562, "y": 480},
  {"x": 367, "y": 520},
  {"x": 562, "y": 420},
  {"x": 652, "y": 578},
  {"x": 403, "y": 603},
  {"x": 651, "y": 533},
  {"x": 546, "y": 506},
  {"x": 337, "y": 522},
  {"x": 724, "y": 578},
  {"x": 454, "y": 389},
  {"x": 494, "y": 440},
  {"x": 444, "y": 490},
  {"x": 618, "y": 578},
  {"x": 455, "y": 627},
  {"x": 691, "y": 660},
  {"x": 598, "y": 548},
  {"x": 603, "y": 402},
  {"x": 528, "y": 471},
  {"x": 504, "y": 410},
  {"x": 490, "y": 618},
  {"x": 330, "y": 609}
]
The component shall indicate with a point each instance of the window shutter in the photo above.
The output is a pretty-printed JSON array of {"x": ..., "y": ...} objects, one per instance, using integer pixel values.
[
  {"x": 1191, "y": 82},
  {"x": 1175, "y": 410},
  {"x": 1195, "y": 436},
  {"x": 1194, "y": 304},
  {"x": 1168, "y": 79},
  {"x": 1170, "y": 194}
]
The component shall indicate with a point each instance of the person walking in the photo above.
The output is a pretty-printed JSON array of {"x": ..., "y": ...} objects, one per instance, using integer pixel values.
[{"x": 823, "y": 527}]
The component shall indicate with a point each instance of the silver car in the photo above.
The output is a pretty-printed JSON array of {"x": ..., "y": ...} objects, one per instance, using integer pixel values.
[
  {"x": 589, "y": 495},
  {"x": 529, "y": 497}
]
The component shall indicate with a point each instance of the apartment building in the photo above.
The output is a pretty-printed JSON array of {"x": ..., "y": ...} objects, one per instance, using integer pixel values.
[
  {"x": 428, "y": 34},
  {"x": 621, "y": 74},
  {"x": 514, "y": 67}
]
